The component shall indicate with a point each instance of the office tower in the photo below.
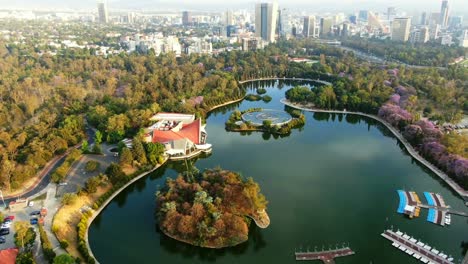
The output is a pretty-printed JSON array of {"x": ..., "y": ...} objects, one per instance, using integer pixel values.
[
  {"x": 186, "y": 18},
  {"x": 391, "y": 12},
  {"x": 266, "y": 15},
  {"x": 435, "y": 31},
  {"x": 455, "y": 21},
  {"x": 353, "y": 19},
  {"x": 424, "y": 18},
  {"x": 310, "y": 27},
  {"x": 434, "y": 19},
  {"x": 363, "y": 15},
  {"x": 420, "y": 35},
  {"x": 345, "y": 31},
  {"x": 373, "y": 21},
  {"x": 464, "y": 39},
  {"x": 325, "y": 26},
  {"x": 444, "y": 13},
  {"x": 102, "y": 11},
  {"x": 229, "y": 18},
  {"x": 294, "y": 31},
  {"x": 249, "y": 44},
  {"x": 401, "y": 29}
]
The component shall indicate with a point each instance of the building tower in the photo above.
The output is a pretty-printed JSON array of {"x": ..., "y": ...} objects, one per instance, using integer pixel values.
[
  {"x": 186, "y": 18},
  {"x": 102, "y": 11},
  {"x": 266, "y": 15},
  {"x": 444, "y": 13},
  {"x": 310, "y": 27},
  {"x": 401, "y": 29}
]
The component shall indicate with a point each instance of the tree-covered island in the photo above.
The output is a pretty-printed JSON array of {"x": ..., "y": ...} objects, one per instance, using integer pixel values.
[{"x": 212, "y": 209}]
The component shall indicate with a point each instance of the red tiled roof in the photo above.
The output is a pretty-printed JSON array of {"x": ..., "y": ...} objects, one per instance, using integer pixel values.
[
  {"x": 8, "y": 256},
  {"x": 190, "y": 131}
]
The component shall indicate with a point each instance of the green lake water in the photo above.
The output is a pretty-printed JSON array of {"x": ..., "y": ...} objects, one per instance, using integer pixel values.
[{"x": 332, "y": 182}]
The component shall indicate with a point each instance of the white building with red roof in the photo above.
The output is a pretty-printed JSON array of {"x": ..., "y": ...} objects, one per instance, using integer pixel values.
[{"x": 182, "y": 134}]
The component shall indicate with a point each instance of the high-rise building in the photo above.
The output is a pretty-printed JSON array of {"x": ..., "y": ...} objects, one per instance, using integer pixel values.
[
  {"x": 423, "y": 18},
  {"x": 102, "y": 11},
  {"x": 250, "y": 44},
  {"x": 310, "y": 29},
  {"x": 353, "y": 19},
  {"x": 420, "y": 35},
  {"x": 391, "y": 13},
  {"x": 464, "y": 39},
  {"x": 374, "y": 21},
  {"x": 435, "y": 31},
  {"x": 325, "y": 26},
  {"x": 186, "y": 18},
  {"x": 456, "y": 22},
  {"x": 266, "y": 15},
  {"x": 444, "y": 13},
  {"x": 363, "y": 15},
  {"x": 401, "y": 29},
  {"x": 228, "y": 18}
]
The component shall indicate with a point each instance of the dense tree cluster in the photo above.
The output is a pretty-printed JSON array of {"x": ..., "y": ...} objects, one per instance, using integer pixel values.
[
  {"x": 209, "y": 209},
  {"x": 429, "y": 54}
]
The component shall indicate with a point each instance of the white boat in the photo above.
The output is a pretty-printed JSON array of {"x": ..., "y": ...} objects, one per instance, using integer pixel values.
[
  {"x": 435, "y": 251},
  {"x": 399, "y": 233},
  {"x": 424, "y": 260},
  {"x": 402, "y": 248},
  {"x": 450, "y": 259},
  {"x": 421, "y": 244},
  {"x": 203, "y": 147},
  {"x": 395, "y": 244},
  {"x": 426, "y": 247},
  {"x": 417, "y": 256},
  {"x": 413, "y": 240},
  {"x": 409, "y": 252},
  {"x": 406, "y": 236}
]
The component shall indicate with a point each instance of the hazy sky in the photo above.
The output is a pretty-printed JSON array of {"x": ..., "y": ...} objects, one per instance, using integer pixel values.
[{"x": 411, "y": 6}]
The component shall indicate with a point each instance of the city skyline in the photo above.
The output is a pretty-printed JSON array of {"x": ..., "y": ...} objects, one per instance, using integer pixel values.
[{"x": 457, "y": 6}]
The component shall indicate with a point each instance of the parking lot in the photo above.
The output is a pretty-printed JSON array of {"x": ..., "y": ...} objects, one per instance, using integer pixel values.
[{"x": 22, "y": 215}]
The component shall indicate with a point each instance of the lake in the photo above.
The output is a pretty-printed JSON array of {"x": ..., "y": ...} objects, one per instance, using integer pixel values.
[{"x": 330, "y": 183}]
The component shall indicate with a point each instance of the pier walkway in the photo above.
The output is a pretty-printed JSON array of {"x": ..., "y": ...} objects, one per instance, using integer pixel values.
[
  {"x": 326, "y": 256},
  {"x": 416, "y": 248}
]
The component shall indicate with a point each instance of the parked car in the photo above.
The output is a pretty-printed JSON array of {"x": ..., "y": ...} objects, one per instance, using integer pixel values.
[
  {"x": 6, "y": 225},
  {"x": 35, "y": 213},
  {"x": 7, "y": 221},
  {"x": 33, "y": 221},
  {"x": 31, "y": 203},
  {"x": 10, "y": 217},
  {"x": 4, "y": 231},
  {"x": 2, "y": 239}
]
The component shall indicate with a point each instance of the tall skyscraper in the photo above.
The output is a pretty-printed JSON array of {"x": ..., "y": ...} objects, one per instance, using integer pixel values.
[
  {"x": 444, "y": 13},
  {"x": 424, "y": 18},
  {"x": 464, "y": 39},
  {"x": 391, "y": 13},
  {"x": 102, "y": 11},
  {"x": 401, "y": 29},
  {"x": 229, "y": 18},
  {"x": 363, "y": 15},
  {"x": 325, "y": 26},
  {"x": 186, "y": 18},
  {"x": 310, "y": 29},
  {"x": 266, "y": 15}
]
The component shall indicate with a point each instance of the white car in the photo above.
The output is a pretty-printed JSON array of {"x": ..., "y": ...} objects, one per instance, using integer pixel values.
[
  {"x": 5, "y": 225},
  {"x": 31, "y": 204}
]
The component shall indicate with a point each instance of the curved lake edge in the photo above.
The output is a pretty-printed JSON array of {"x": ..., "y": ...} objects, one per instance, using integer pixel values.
[
  {"x": 106, "y": 202},
  {"x": 442, "y": 175},
  {"x": 409, "y": 148}
]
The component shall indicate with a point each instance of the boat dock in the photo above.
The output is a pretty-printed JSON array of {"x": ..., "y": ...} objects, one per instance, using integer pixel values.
[
  {"x": 439, "y": 212},
  {"x": 326, "y": 256},
  {"x": 416, "y": 248}
]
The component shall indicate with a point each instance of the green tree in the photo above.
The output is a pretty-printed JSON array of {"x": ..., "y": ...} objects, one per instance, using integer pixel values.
[
  {"x": 85, "y": 146},
  {"x": 92, "y": 184},
  {"x": 25, "y": 257},
  {"x": 153, "y": 152},
  {"x": 115, "y": 173},
  {"x": 98, "y": 137},
  {"x": 126, "y": 157},
  {"x": 92, "y": 166},
  {"x": 139, "y": 153},
  {"x": 69, "y": 198},
  {"x": 64, "y": 259},
  {"x": 25, "y": 235}
]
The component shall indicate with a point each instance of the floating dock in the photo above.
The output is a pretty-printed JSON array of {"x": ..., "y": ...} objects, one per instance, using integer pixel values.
[
  {"x": 326, "y": 256},
  {"x": 416, "y": 248},
  {"x": 439, "y": 212}
]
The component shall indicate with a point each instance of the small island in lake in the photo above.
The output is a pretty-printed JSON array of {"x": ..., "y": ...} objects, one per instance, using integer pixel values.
[
  {"x": 272, "y": 121},
  {"x": 212, "y": 209}
]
